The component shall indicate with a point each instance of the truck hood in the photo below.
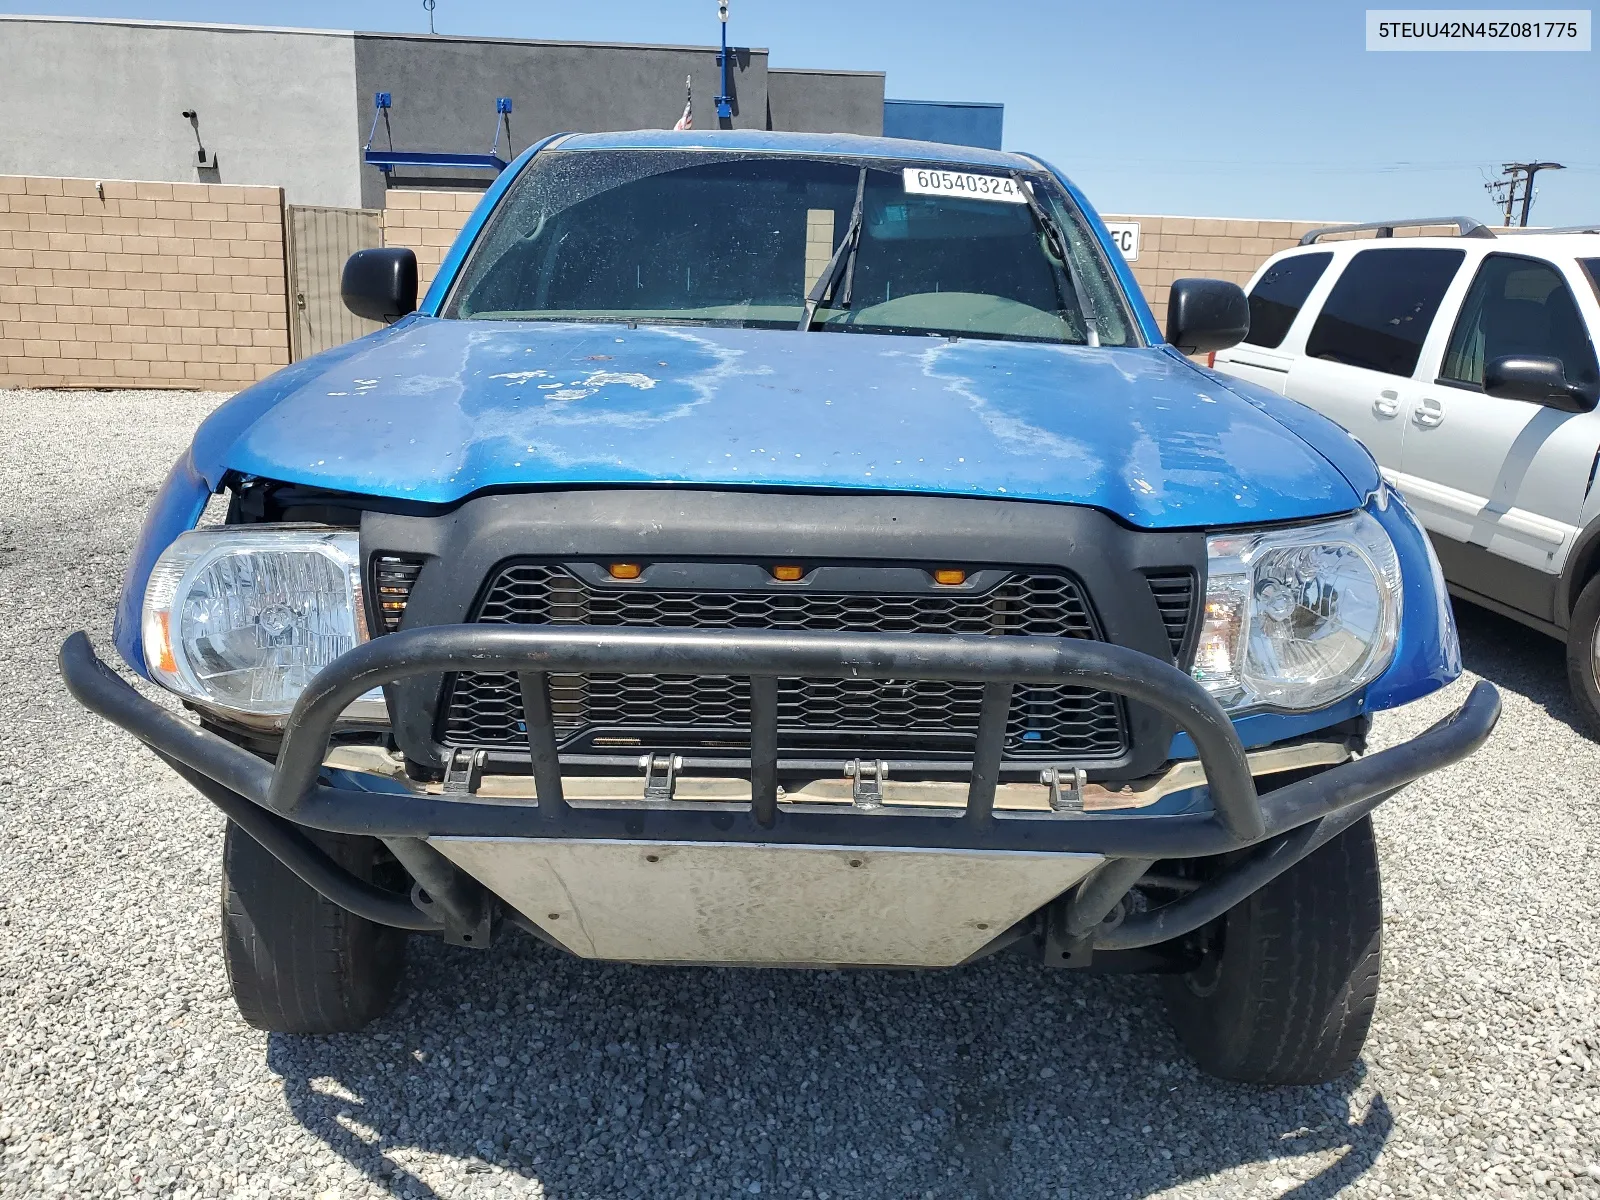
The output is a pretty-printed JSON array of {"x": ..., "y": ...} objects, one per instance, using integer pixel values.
[{"x": 434, "y": 410}]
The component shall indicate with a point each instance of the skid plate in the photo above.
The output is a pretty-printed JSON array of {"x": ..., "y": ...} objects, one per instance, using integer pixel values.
[{"x": 766, "y": 904}]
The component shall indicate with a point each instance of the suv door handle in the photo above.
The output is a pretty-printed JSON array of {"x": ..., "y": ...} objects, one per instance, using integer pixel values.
[
  {"x": 1387, "y": 404},
  {"x": 1428, "y": 413}
]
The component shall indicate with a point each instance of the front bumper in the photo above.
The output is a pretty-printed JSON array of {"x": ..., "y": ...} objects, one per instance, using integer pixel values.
[{"x": 1284, "y": 824}]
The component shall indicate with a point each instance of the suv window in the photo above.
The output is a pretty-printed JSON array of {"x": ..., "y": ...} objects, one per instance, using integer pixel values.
[
  {"x": 1378, "y": 314},
  {"x": 1592, "y": 267},
  {"x": 1517, "y": 306},
  {"x": 1277, "y": 296}
]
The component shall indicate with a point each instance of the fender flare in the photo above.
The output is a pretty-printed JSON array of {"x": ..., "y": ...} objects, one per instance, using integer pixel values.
[{"x": 1582, "y": 564}]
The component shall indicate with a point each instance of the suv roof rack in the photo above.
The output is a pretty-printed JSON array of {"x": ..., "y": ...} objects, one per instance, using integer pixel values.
[
  {"x": 1465, "y": 227},
  {"x": 1592, "y": 228}
]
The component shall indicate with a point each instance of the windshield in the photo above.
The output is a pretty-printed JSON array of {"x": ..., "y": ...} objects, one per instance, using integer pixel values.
[{"x": 742, "y": 238}]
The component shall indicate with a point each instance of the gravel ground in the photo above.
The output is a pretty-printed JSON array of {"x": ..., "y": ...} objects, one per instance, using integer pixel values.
[{"x": 517, "y": 1072}]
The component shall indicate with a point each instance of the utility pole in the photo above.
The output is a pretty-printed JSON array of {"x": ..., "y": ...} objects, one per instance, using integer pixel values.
[{"x": 1516, "y": 183}]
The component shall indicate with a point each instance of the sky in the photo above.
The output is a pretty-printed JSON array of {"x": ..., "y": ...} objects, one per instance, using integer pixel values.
[{"x": 1226, "y": 108}]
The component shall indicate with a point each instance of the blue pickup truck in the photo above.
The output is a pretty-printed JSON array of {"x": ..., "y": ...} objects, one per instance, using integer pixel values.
[{"x": 791, "y": 550}]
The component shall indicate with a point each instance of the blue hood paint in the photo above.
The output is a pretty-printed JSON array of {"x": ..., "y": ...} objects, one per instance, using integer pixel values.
[
  {"x": 1335, "y": 443},
  {"x": 434, "y": 410}
]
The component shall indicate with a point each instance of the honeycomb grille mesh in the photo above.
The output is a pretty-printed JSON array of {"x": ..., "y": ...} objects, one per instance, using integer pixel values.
[{"x": 903, "y": 716}]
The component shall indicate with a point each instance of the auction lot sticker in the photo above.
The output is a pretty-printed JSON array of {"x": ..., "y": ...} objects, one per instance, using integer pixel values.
[
  {"x": 934, "y": 181},
  {"x": 1477, "y": 29}
]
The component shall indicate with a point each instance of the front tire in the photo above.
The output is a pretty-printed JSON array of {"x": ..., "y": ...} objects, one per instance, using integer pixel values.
[
  {"x": 1583, "y": 672},
  {"x": 1286, "y": 991},
  {"x": 298, "y": 963}
]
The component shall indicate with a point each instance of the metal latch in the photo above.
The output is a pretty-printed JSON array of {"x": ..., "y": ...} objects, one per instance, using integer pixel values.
[
  {"x": 1066, "y": 787},
  {"x": 463, "y": 771},
  {"x": 659, "y": 785},
  {"x": 866, "y": 782}
]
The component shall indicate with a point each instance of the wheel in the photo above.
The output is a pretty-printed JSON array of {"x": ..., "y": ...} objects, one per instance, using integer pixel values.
[
  {"x": 1286, "y": 990},
  {"x": 1583, "y": 651},
  {"x": 298, "y": 963}
]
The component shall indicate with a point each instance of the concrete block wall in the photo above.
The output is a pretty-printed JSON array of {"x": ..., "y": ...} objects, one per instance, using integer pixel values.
[
  {"x": 122, "y": 284},
  {"x": 426, "y": 221},
  {"x": 1207, "y": 247}
]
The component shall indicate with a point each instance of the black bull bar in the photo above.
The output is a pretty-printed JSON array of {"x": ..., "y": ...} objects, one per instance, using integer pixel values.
[{"x": 271, "y": 802}]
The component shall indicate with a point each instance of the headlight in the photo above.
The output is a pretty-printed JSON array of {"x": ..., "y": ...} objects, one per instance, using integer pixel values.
[
  {"x": 239, "y": 619},
  {"x": 1298, "y": 618}
]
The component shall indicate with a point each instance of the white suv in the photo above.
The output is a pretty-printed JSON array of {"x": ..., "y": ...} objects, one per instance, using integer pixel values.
[{"x": 1466, "y": 365}]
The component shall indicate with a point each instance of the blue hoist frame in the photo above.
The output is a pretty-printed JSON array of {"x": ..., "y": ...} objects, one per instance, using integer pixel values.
[{"x": 387, "y": 160}]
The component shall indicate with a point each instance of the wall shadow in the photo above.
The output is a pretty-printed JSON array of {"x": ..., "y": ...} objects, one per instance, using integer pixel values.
[{"x": 604, "y": 1080}]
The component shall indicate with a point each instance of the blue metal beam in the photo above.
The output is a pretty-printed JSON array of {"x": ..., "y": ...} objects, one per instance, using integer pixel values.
[{"x": 388, "y": 159}]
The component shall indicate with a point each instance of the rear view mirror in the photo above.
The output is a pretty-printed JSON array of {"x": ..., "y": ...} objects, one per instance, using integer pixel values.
[
  {"x": 380, "y": 285},
  {"x": 1206, "y": 314},
  {"x": 1537, "y": 379}
]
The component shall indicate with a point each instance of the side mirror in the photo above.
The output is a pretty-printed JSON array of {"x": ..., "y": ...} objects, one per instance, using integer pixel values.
[
  {"x": 1206, "y": 314},
  {"x": 380, "y": 285},
  {"x": 1538, "y": 379}
]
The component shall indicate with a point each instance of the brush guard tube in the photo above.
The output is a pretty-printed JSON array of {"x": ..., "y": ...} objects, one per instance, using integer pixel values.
[{"x": 293, "y": 792}]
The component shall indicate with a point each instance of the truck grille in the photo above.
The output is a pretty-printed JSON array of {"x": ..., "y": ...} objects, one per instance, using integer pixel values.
[{"x": 686, "y": 712}]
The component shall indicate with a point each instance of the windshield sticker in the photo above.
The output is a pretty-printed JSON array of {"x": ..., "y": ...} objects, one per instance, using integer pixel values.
[{"x": 928, "y": 181}]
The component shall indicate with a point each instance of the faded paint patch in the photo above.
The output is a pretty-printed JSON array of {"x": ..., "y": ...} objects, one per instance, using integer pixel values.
[{"x": 463, "y": 406}]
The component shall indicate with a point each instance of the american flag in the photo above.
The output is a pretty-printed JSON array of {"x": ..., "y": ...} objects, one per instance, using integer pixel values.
[{"x": 687, "y": 120}]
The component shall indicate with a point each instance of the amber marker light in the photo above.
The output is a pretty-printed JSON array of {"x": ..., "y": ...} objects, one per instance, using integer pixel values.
[
  {"x": 624, "y": 570},
  {"x": 788, "y": 573},
  {"x": 165, "y": 661},
  {"x": 949, "y": 576}
]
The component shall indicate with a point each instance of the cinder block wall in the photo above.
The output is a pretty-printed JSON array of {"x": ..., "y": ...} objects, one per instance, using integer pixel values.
[
  {"x": 140, "y": 284},
  {"x": 426, "y": 221},
  {"x": 1208, "y": 247}
]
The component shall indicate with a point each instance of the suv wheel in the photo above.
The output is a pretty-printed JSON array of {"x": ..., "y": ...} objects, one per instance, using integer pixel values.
[
  {"x": 1286, "y": 990},
  {"x": 298, "y": 963},
  {"x": 1583, "y": 651}
]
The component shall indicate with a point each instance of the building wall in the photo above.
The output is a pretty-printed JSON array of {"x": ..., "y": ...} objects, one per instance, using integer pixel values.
[
  {"x": 444, "y": 90},
  {"x": 937, "y": 121},
  {"x": 825, "y": 101},
  {"x": 426, "y": 221},
  {"x": 145, "y": 285},
  {"x": 103, "y": 100}
]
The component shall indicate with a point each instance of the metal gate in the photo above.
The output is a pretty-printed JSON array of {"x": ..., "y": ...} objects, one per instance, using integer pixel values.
[{"x": 320, "y": 239}]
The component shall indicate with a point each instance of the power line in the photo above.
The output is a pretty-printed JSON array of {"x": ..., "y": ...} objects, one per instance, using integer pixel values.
[{"x": 1516, "y": 182}]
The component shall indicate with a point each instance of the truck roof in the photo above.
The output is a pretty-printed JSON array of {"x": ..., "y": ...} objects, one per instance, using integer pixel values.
[{"x": 833, "y": 144}]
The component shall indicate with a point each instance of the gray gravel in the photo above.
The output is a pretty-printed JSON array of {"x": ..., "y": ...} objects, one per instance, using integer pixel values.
[{"x": 125, "y": 1069}]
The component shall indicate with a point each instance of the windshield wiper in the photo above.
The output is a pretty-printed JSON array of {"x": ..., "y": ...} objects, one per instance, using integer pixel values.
[
  {"x": 1056, "y": 240},
  {"x": 844, "y": 259}
]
